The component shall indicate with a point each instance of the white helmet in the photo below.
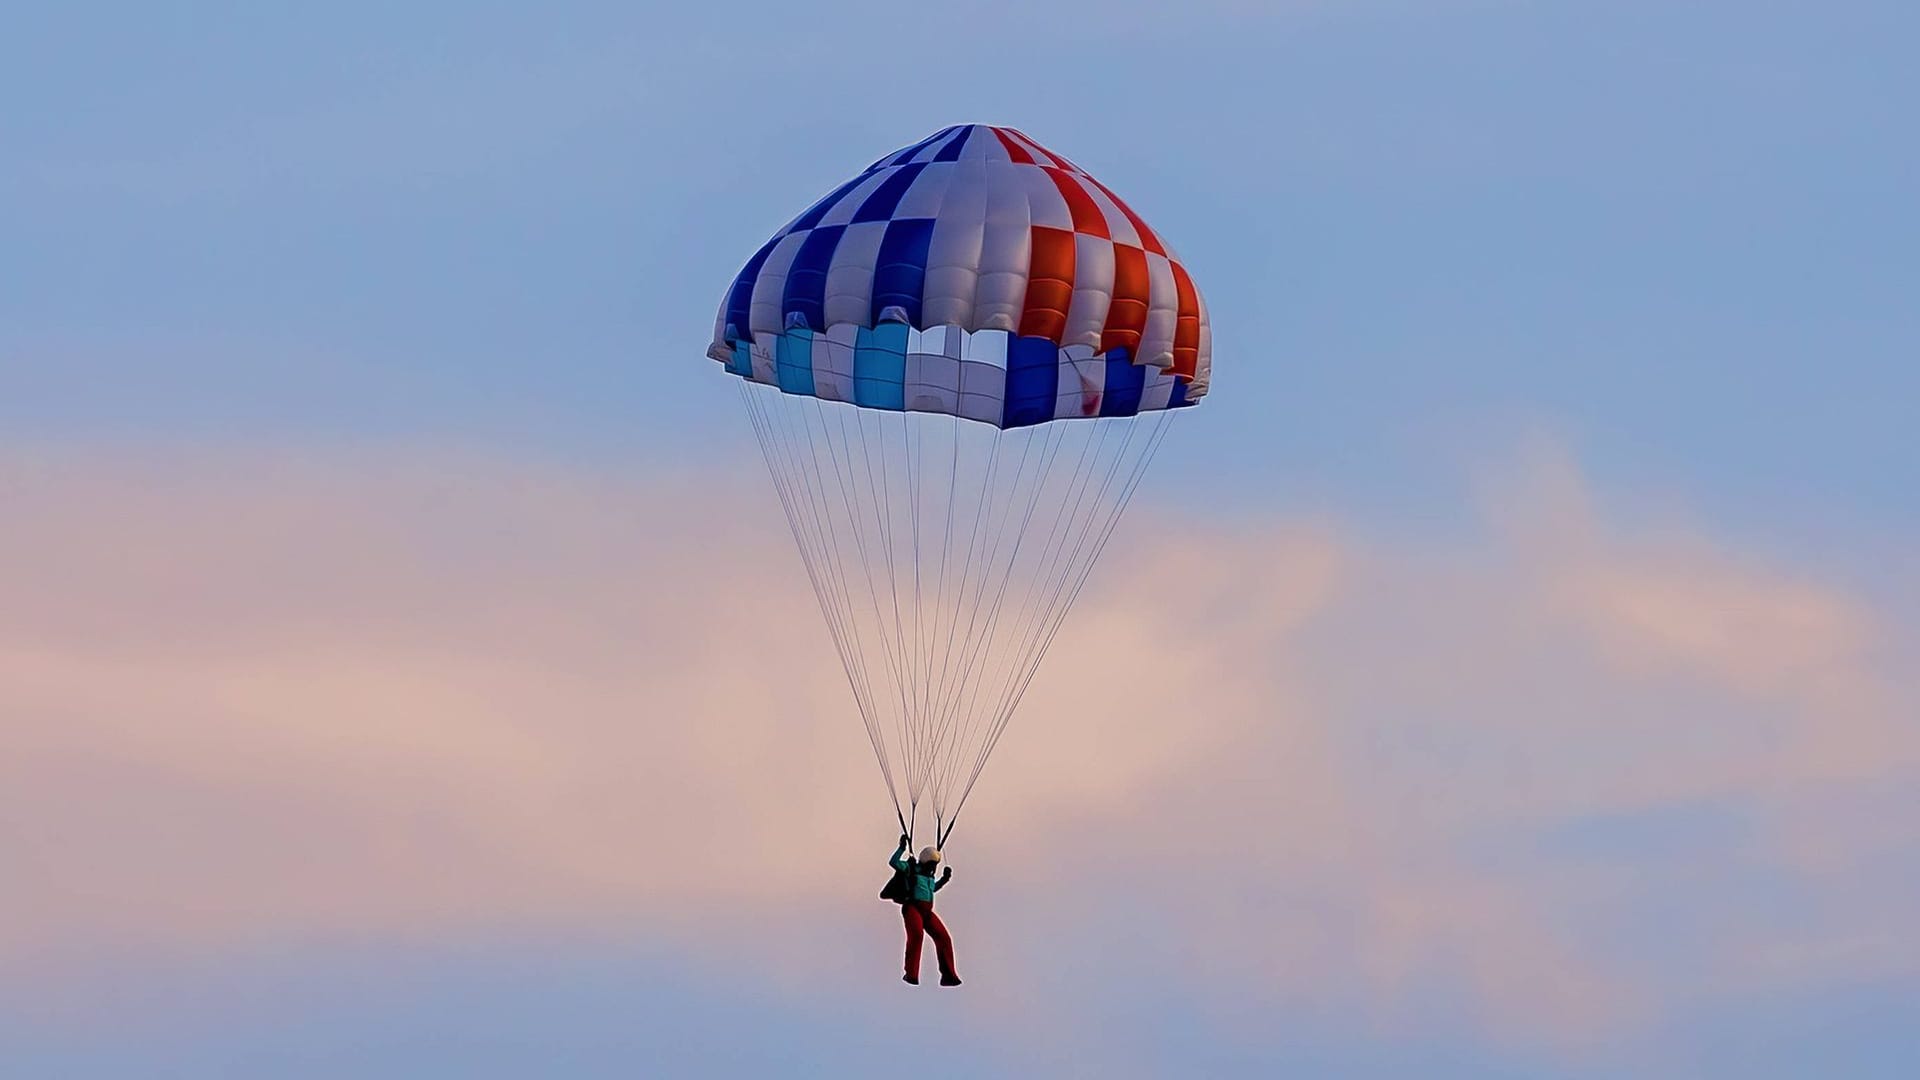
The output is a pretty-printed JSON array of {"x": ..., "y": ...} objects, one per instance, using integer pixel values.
[{"x": 929, "y": 855}]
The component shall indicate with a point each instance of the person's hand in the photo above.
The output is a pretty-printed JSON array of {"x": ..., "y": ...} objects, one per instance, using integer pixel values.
[
  {"x": 905, "y": 840},
  {"x": 947, "y": 873}
]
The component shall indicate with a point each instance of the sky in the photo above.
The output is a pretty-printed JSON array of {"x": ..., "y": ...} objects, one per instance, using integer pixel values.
[{"x": 387, "y": 580}]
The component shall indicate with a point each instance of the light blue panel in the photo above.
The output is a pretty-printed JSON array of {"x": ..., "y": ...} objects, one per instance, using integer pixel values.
[
  {"x": 880, "y": 367},
  {"x": 742, "y": 362},
  {"x": 793, "y": 361}
]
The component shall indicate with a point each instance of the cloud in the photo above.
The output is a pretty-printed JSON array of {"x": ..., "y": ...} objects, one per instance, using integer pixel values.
[{"x": 287, "y": 699}]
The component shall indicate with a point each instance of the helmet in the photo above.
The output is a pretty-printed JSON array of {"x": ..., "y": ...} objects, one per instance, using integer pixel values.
[{"x": 930, "y": 855}]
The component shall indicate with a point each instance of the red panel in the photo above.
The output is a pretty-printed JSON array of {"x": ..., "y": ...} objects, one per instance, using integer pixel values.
[
  {"x": 1131, "y": 288},
  {"x": 1148, "y": 237},
  {"x": 1034, "y": 144},
  {"x": 1186, "y": 330},
  {"x": 1014, "y": 150},
  {"x": 1049, "y": 285},
  {"x": 1087, "y": 217}
]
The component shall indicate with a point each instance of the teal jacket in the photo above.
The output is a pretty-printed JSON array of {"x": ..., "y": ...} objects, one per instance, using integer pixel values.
[{"x": 924, "y": 884}]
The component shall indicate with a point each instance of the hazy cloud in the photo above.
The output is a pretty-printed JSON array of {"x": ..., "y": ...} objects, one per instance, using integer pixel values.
[{"x": 296, "y": 700}]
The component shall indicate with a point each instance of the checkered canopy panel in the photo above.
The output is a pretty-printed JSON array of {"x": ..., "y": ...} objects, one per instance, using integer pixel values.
[{"x": 973, "y": 273}]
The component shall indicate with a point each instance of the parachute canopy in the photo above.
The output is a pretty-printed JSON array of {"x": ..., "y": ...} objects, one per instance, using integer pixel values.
[
  {"x": 958, "y": 365},
  {"x": 974, "y": 273}
]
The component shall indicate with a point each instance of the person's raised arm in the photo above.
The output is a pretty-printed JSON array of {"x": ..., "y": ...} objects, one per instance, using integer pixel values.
[
  {"x": 945, "y": 876},
  {"x": 898, "y": 861}
]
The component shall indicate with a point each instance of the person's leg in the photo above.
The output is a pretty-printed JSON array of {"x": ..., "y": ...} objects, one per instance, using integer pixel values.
[
  {"x": 942, "y": 945},
  {"x": 910, "y": 914}
]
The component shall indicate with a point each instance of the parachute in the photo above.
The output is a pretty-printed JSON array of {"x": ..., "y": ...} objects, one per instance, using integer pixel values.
[{"x": 958, "y": 366}]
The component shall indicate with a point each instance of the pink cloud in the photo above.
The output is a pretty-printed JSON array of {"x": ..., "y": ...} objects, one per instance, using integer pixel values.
[{"x": 280, "y": 699}]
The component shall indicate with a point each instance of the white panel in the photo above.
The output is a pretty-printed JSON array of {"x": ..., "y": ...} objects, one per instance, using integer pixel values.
[
  {"x": 953, "y": 255},
  {"x": 1083, "y": 381},
  {"x": 762, "y": 354},
  {"x": 988, "y": 347},
  {"x": 942, "y": 340},
  {"x": 1158, "y": 390},
  {"x": 1006, "y": 250},
  {"x": 1045, "y": 205},
  {"x": 833, "y": 365},
  {"x": 987, "y": 146},
  {"x": 1163, "y": 313},
  {"x": 933, "y": 383},
  {"x": 1203, "y": 371},
  {"x": 983, "y": 389},
  {"x": 849, "y": 204},
  {"x": 982, "y": 146},
  {"x": 849, "y": 292},
  {"x": 770, "y": 287},
  {"x": 928, "y": 192},
  {"x": 1092, "y": 290},
  {"x": 719, "y": 349},
  {"x": 1119, "y": 226},
  {"x": 933, "y": 369}
]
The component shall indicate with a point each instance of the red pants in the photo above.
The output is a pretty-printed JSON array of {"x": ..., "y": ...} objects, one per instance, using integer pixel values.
[{"x": 919, "y": 916}]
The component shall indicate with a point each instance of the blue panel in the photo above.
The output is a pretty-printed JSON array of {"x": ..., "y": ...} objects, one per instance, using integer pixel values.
[
  {"x": 886, "y": 198},
  {"x": 951, "y": 151},
  {"x": 793, "y": 362},
  {"x": 1125, "y": 381},
  {"x": 807, "y": 279},
  {"x": 820, "y": 209},
  {"x": 1033, "y": 381},
  {"x": 901, "y": 274},
  {"x": 742, "y": 362},
  {"x": 1178, "y": 398},
  {"x": 899, "y": 156},
  {"x": 740, "y": 297},
  {"x": 880, "y": 367}
]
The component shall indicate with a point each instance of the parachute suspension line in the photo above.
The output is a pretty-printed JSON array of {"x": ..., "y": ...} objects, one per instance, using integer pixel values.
[
  {"x": 992, "y": 511},
  {"x": 824, "y": 524},
  {"x": 980, "y": 658},
  {"x": 1053, "y": 571},
  {"x": 1053, "y": 616},
  {"x": 911, "y": 454},
  {"x": 830, "y": 609},
  {"x": 981, "y": 512},
  {"x": 1067, "y": 511},
  {"x": 827, "y": 528},
  {"x": 812, "y": 546},
  {"x": 904, "y": 676},
  {"x": 855, "y": 506},
  {"x": 946, "y": 553},
  {"x": 883, "y": 531},
  {"x": 983, "y": 660},
  {"x": 982, "y": 644},
  {"x": 1162, "y": 423},
  {"x": 915, "y": 452},
  {"x": 1023, "y": 515}
]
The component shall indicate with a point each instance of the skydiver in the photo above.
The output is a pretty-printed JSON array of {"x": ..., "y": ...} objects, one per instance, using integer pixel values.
[{"x": 916, "y": 908}]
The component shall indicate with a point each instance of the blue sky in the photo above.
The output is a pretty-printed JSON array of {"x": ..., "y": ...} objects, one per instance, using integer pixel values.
[
  {"x": 1676, "y": 243},
  {"x": 1675, "y": 233}
]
